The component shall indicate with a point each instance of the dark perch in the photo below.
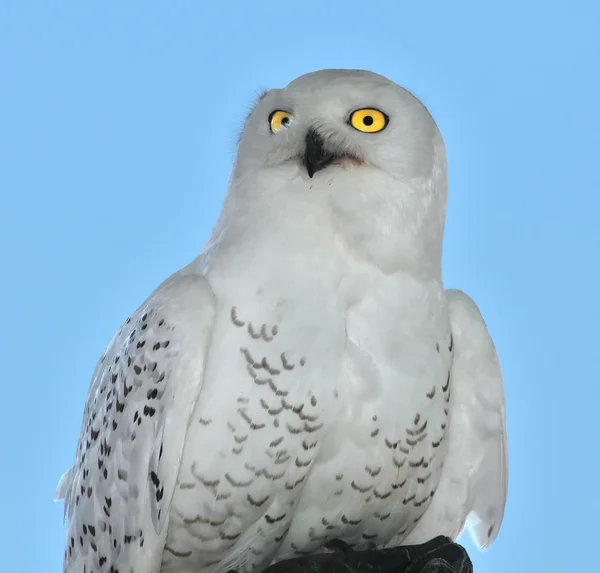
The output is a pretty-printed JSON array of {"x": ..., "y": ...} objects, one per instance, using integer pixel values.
[{"x": 440, "y": 555}]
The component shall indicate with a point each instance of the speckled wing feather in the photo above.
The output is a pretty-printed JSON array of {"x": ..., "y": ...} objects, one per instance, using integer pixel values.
[
  {"x": 136, "y": 416},
  {"x": 474, "y": 481}
]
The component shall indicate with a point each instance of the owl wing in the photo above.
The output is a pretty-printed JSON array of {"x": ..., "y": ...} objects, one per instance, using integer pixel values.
[
  {"x": 118, "y": 492},
  {"x": 474, "y": 480}
]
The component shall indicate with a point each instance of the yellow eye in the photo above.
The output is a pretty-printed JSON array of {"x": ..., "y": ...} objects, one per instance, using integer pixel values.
[
  {"x": 279, "y": 119},
  {"x": 368, "y": 120}
]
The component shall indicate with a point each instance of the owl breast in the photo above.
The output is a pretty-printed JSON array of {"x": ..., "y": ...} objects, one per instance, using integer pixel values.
[
  {"x": 380, "y": 461},
  {"x": 314, "y": 423}
]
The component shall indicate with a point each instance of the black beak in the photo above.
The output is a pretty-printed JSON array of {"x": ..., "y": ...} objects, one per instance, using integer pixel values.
[{"x": 316, "y": 157}]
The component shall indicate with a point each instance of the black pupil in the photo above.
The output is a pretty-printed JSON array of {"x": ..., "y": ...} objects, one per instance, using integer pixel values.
[
  {"x": 285, "y": 121},
  {"x": 368, "y": 120}
]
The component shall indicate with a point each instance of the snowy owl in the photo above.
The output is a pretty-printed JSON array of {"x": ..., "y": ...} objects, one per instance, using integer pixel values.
[{"x": 307, "y": 378}]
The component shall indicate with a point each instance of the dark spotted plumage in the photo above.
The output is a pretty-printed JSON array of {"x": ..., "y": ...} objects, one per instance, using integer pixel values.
[{"x": 118, "y": 491}]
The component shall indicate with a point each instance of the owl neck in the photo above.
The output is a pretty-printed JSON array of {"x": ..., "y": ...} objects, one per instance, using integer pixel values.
[{"x": 324, "y": 224}]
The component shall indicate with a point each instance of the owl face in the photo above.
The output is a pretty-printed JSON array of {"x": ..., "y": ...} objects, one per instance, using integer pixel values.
[
  {"x": 337, "y": 119},
  {"x": 344, "y": 156}
]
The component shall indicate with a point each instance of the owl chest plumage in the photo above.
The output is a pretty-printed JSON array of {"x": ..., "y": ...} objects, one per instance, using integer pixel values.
[{"x": 315, "y": 422}]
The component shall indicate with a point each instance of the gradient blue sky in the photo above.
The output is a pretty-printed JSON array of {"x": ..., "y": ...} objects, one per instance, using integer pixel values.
[{"x": 117, "y": 132}]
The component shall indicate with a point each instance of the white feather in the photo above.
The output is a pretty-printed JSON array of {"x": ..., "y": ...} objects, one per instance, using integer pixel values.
[
  {"x": 474, "y": 481},
  {"x": 119, "y": 490}
]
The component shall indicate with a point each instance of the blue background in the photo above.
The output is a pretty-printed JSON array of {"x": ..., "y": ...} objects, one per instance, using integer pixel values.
[{"x": 117, "y": 132}]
